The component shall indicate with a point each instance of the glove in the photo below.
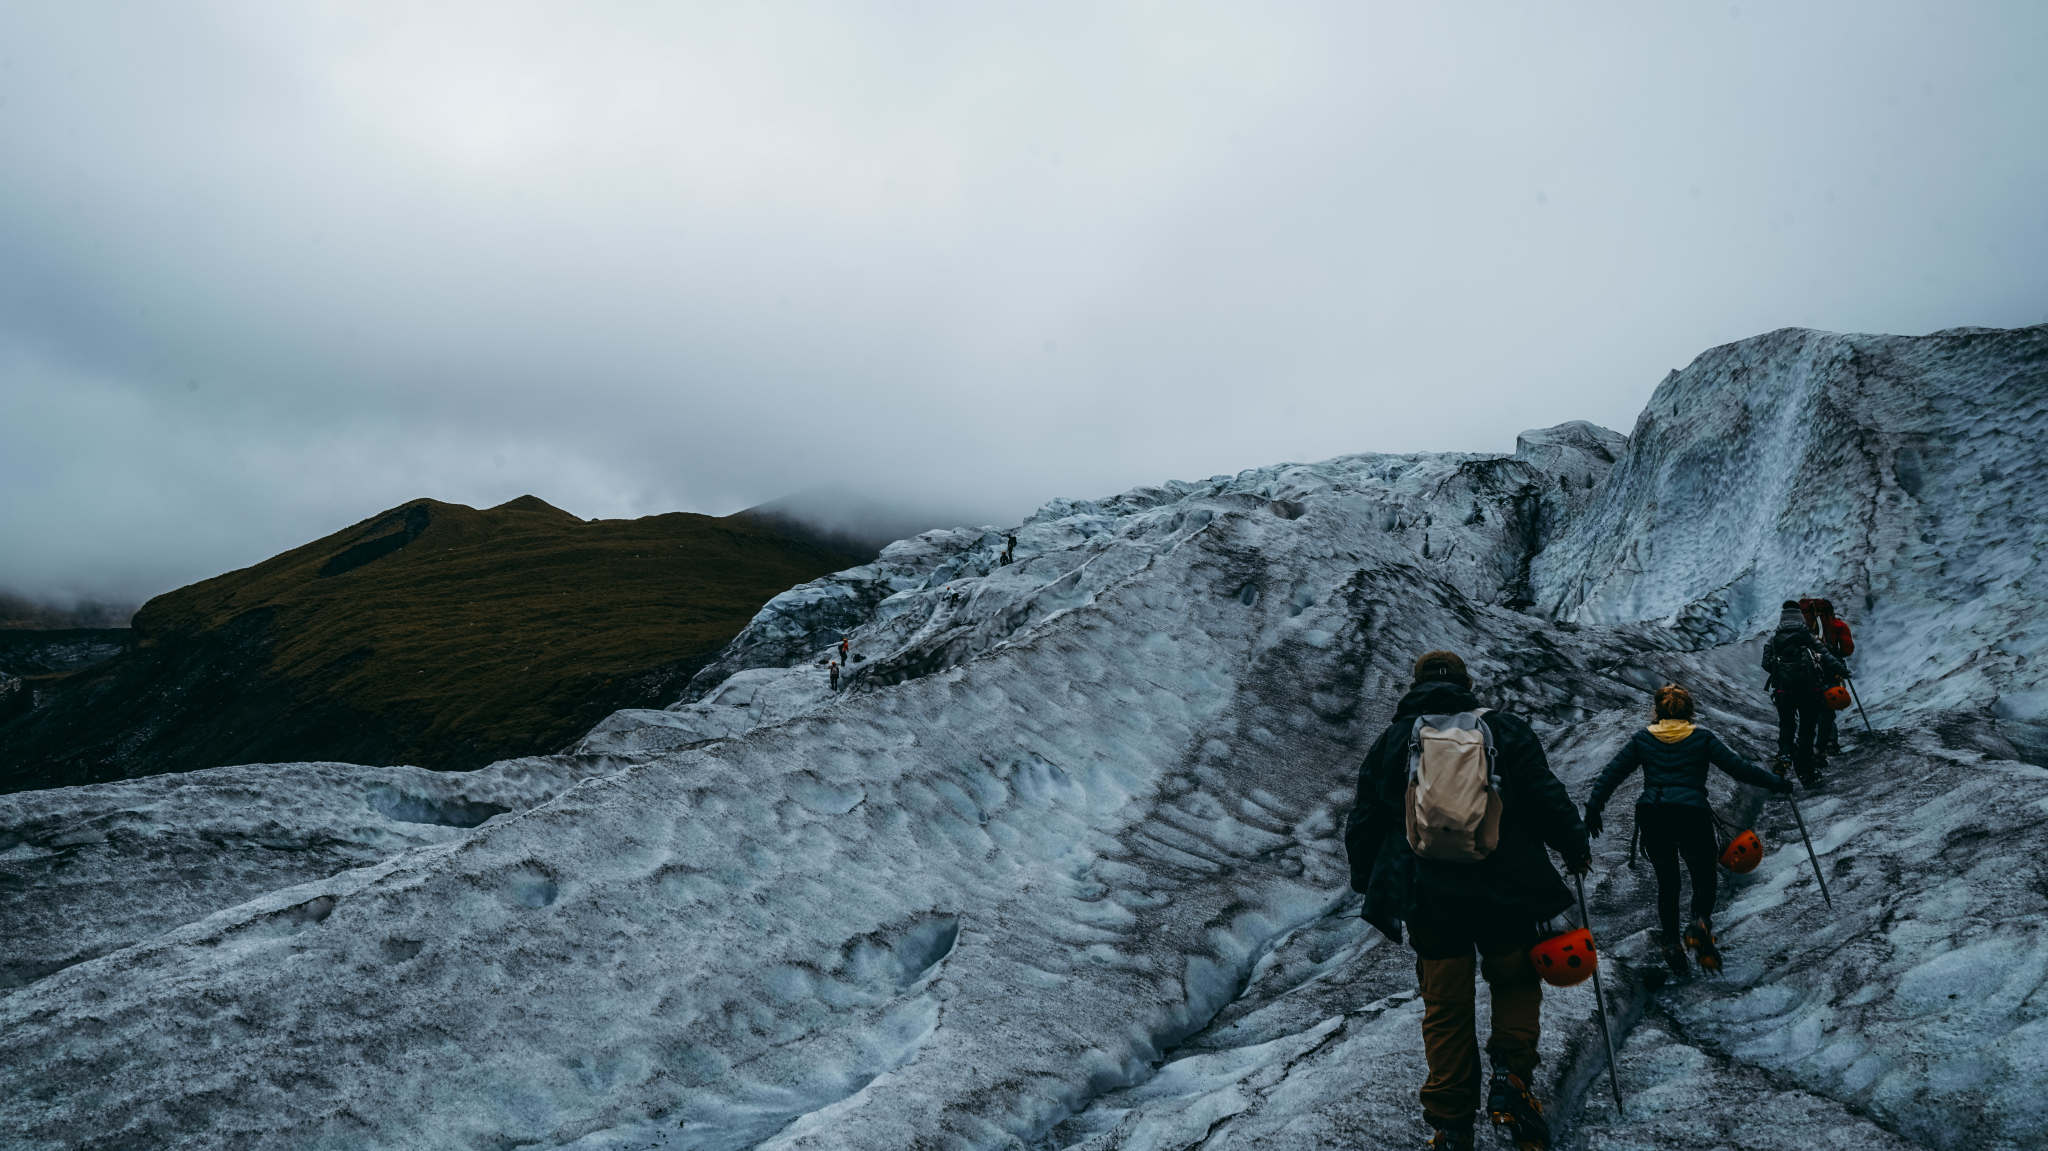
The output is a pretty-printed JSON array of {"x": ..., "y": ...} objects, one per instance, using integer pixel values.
[
  {"x": 1784, "y": 785},
  {"x": 1593, "y": 824},
  {"x": 1583, "y": 865}
]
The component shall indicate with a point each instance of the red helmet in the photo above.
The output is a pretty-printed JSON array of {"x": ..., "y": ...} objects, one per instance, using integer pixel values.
[
  {"x": 1743, "y": 853},
  {"x": 1837, "y": 697},
  {"x": 1565, "y": 960}
]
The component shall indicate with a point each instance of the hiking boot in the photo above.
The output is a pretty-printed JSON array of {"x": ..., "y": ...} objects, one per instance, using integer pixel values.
[
  {"x": 1513, "y": 1106},
  {"x": 1832, "y": 747},
  {"x": 1674, "y": 958},
  {"x": 1809, "y": 777},
  {"x": 1445, "y": 1139},
  {"x": 1782, "y": 764},
  {"x": 1700, "y": 937}
]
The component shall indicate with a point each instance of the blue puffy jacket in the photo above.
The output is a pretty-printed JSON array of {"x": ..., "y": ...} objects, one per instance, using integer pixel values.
[{"x": 1676, "y": 773}]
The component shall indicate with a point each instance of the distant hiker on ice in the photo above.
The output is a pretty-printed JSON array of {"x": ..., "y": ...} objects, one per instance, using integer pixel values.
[
  {"x": 1834, "y": 636},
  {"x": 843, "y": 642},
  {"x": 1674, "y": 815},
  {"x": 1800, "y": 669},
  {"x": 835, "y": 675},
  {"x": 1010, "y": 552},
  {"x": 1484, "y": 889}
]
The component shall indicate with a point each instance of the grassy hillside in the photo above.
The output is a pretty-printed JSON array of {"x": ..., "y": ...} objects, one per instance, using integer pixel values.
[{"x": 433, "y": 634}]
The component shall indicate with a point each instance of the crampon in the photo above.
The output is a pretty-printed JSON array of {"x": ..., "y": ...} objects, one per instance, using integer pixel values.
[
  {"x": 1700, "y": 938},
  {"x": 1446, "y": 1140},
  {"x": 1512, "y": 1106}
]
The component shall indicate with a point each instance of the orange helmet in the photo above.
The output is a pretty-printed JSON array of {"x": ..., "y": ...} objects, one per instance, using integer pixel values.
[
  {"x": 1743, "y": 853},
  {"x": 1565, "y": 960},
  {"x": 1837, "y": 697}
]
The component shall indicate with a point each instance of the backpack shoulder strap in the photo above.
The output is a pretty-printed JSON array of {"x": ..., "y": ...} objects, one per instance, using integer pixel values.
[
  {"x": 1479, "y": 723},
  {"x": 1492, "y": 752}
]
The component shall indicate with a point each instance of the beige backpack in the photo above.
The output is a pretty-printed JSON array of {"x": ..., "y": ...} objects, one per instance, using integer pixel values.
[{"x": 1453, "y": 790}]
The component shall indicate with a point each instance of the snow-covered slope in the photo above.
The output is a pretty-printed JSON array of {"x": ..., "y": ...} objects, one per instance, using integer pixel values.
[{"x": 1060, "y": 867}]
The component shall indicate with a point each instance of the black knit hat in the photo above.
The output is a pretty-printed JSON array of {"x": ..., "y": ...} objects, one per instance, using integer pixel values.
[{"x": 1442, "y": 665}]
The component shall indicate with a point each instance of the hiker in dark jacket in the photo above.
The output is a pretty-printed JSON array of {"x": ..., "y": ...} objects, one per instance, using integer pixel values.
[
  {"x": 1801, "y": 669},
  {"x": 1674, "y": 816},
  {"x": 1452, "y": 909}
]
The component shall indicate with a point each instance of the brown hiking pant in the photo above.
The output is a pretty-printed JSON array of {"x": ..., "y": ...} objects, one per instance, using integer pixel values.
[{"x": 1443, "y": 972}]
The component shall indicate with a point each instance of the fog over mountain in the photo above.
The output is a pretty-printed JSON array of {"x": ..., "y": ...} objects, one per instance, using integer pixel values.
[{"x": 265, "y": 269}]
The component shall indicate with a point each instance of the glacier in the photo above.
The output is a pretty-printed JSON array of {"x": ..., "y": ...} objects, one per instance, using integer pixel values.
[{"x": 1060, "y": 864}]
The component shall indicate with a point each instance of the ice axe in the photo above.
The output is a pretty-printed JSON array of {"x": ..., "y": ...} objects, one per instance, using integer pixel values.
[
  {"x": 1809, "y": 850},
  {"x": 1859, "y": 705},
  {"x": 1600, "y": 999}
]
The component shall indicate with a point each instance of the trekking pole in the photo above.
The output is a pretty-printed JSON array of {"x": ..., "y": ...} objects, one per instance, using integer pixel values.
[
  {"x": 1859, "y": 706},
  {"x": 1600, "y": 999},
  {"x": 1809, "y": 851}
]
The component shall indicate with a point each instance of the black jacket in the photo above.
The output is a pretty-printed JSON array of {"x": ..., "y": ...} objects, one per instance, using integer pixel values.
[
  {"x": 1514, "y": 884},
  {"x": 1791, "y": 637},
  {"x": 1676, "y": 773}
]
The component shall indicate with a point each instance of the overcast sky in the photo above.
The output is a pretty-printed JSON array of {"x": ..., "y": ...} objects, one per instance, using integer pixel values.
[{"x": 266, "y": 269}]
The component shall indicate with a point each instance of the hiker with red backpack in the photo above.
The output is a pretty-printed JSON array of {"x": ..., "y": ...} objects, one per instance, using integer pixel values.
[
  {"x": 1447, "y": 839},
  {"x": 1832, "y": 632},
  {"x": 1675, "y": 816},
  {"x": 1801, "y": 671},
  {"x": 1834, "y": 636}
]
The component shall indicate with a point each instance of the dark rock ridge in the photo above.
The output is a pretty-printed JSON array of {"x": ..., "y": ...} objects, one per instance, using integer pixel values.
[
  {"x": 33, "y": 662},
  {"x": 406, "y": 525},
  {"x": 25, "y": 653}
]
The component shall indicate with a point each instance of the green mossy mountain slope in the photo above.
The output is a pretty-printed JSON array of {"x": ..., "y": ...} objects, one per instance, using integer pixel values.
[{"x": 433, "y": 634}]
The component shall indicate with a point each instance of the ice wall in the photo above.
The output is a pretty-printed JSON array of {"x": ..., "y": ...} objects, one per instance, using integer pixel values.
[{"x": 1897, "y": 476}]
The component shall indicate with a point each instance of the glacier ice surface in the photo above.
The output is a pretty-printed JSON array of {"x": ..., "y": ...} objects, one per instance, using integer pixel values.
[{"x": 1060, "y": 866}]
